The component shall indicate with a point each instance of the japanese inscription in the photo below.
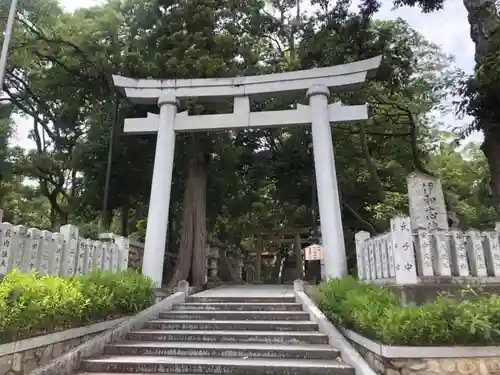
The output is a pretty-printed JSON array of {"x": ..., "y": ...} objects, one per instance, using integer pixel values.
[
  {"x": 403, "y": 251},
  {"x": 427, "y": 206},
  {"x": 424, "y": 253},
  {"x": 33, "y": 249},
  {"x": 460, "y": 265},
  {"x": 371, "y": 252},
  {"x": 115, "y": 255},
  {"x": 492, "y": 253},
  {"x": 59, "y": 246},
  {"x": 69, "y": 259},
  {"x": 106, "y": 256},
  {"x": 442, "y": 264},
  {"x": 476, "y": 253},
  {"x": 383, "y": 250},
  {"x": 390, "y": 254},
  {"x": 366, "y": 261},
  {"x": 6, "y": 250},
  {"x": 98, "y": 255},
  {"x": 47, "y": 250},
  {"x": 89, "y": 256},
  {"x": 360, "y": 239},
  {"x": 123, "y": 252},
  {"x": 19, "y": 239}
]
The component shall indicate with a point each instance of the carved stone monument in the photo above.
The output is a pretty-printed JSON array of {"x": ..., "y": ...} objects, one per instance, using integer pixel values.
[{"x": 426, "y": 200}]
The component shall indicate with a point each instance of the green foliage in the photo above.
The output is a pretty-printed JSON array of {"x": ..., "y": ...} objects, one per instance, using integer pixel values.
[
  {"x": 31, "y": 305},
  {"x": 464, "y": 176},
  {"x": 376, "y": 313}
]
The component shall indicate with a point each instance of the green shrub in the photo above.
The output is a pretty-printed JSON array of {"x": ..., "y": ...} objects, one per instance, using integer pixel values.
[
  {"x": 31, "y": 305},
  {"x": 376, "y": 313}
]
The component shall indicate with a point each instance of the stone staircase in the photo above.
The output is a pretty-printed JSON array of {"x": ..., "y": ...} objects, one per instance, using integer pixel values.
[{"x": 236, "y": 336}]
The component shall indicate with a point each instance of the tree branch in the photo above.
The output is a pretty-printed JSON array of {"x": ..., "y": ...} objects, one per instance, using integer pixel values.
[{"x": 372, "y": 168}]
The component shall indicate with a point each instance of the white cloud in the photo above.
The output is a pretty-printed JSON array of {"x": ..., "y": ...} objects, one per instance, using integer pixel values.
[
  {"x": 23, "y": 127},
  {"x": 71, "y": 5},
  {"x": 447, "y": 28}
]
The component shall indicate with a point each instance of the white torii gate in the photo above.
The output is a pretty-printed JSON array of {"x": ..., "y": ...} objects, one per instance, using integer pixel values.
[{"x": 318, "y": 113}]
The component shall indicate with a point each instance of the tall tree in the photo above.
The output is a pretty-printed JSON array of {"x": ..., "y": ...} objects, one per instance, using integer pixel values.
[{"x": 481, "y": 90}]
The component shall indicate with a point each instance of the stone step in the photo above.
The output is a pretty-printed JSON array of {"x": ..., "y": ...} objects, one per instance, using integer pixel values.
[
  {"x": 235, "y": 299},
  {"x": 237, "y": 315},
  {"x": 226, "y": 350},
  {"x": 239, "y": 306},
  {"x": 204, "y": 365},
  {"x": 269, "y": 337},
  {"x": 233, "y": 325}
]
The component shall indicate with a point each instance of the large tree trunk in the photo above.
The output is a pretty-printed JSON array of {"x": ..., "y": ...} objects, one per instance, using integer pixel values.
[
  {"x": 491, "y": 149},
  {"x": 484, "y": 23},
  {"x": 191, "y": 258},
  {"x": 199, "y": 266},
  {"x": 124, "y": 219}
]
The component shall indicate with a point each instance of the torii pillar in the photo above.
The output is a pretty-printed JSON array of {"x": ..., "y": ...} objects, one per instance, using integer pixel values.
[
  {"x": 159, "y": 201},
  {"x": 330, "y": 213}
]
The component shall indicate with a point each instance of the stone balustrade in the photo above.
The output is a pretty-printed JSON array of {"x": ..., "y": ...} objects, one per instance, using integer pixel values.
[
  {"x": 59, "y": 254},
  {"x": 404, "y": 256}
]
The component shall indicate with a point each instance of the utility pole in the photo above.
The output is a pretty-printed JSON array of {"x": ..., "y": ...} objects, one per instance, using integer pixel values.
[
  {"x": 6, "y": 40},
  {"x": 104, "y": 214}
]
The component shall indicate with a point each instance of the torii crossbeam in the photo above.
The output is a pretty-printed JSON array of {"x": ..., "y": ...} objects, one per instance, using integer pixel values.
[{"x": 318, "y": 113}]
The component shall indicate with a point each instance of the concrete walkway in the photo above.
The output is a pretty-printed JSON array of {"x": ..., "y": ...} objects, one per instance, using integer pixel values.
[{"x": 248, "y": 291}]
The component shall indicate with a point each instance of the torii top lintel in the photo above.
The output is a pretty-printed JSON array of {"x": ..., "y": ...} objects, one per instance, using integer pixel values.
[{"x": 340, "y": 77}]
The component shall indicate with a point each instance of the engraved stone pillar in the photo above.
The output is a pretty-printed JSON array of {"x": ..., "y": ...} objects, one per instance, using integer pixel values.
[
  {"x": 59, "y": 244},
  {"x": 70, "y": 236},
  {"x": 442, "y": 264},
  {"x": 426, "y": 200},
  {"x": 492, "y": 253},
  {"x": 475, "y": 252},
  {"x": 460, "y": 266},
  {"x": 47, "y": 251},
  {"x": 404, "y": 255},
  {"x": 360, "y": 238},
  {"x": 21, "y": 254},
  {"x": 98, "y": 253},
  {"x": 7, "y": 251}
]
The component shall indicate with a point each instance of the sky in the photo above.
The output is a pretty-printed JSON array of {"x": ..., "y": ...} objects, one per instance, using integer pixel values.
[{"x": 447, "y": 28}]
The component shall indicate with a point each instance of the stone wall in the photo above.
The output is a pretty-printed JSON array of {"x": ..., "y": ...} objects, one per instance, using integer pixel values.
[
  {"x": 429, "y": 366},
  {"x": 22, "y": 363},
  {"x": 22, "y": 357}
]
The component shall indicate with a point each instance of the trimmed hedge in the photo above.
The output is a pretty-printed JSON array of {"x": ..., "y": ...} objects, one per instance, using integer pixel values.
[
  {"x": 376, "y": 313},
  {"x": 32, "y": 305}
]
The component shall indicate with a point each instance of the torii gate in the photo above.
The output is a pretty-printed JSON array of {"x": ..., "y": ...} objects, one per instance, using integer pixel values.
[{"x": 318, "y": 113}]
